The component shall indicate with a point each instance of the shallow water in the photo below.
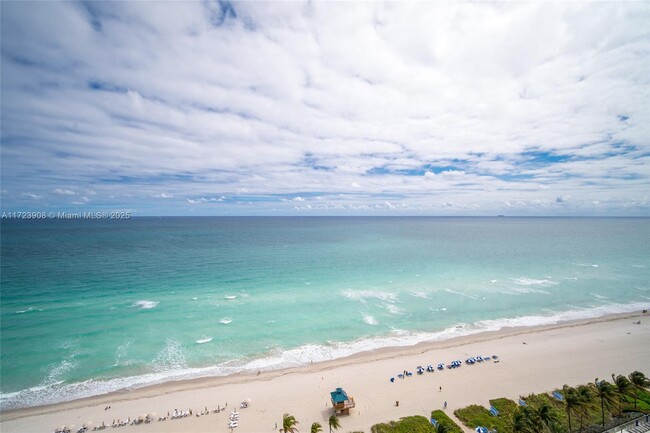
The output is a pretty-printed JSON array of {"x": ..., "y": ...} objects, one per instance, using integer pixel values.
[{"x": 89, "y": 307}]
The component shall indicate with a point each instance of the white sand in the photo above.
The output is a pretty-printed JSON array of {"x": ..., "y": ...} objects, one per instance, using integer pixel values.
[{"x": 569, "y": 353}]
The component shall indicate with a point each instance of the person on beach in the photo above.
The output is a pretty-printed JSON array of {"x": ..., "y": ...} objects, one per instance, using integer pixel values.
[
  {"x": 445, "y": 405},
  {"x": 440, "y": 390}
]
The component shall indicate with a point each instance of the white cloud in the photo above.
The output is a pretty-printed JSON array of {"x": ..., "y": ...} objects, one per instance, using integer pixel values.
[
  {"x": 206, "y": 200},
  {"x": 62, "y": 191},
  {"x": 497, "y": 106}
]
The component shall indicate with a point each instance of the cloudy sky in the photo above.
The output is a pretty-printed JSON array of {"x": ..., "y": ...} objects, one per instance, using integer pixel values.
[{"x": 287, "y": 108}]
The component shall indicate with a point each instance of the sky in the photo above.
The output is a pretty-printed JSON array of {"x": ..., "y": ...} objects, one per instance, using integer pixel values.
[{"x": 326, "y": 108}]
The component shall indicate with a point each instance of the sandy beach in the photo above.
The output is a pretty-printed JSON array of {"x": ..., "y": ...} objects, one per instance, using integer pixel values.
[{"x": 537, "y": 359}]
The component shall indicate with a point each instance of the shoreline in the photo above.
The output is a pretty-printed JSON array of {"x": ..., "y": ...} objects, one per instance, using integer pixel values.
[
  {"x": 373, "y": 358},
  {"x": 442, "y": 338}
]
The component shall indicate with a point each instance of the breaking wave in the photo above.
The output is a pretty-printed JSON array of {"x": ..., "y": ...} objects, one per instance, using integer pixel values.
[
  {"x": 171, "y": 363},
  {"x": 145, "y": 304}
]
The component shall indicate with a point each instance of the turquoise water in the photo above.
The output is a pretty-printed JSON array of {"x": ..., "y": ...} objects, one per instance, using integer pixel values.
[{"x": 92, "y": 306}]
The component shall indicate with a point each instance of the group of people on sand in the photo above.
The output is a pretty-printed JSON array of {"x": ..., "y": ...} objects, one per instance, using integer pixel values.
[
  {"x": 182, "y": 414},
  {"x": 146, "y": 419}
]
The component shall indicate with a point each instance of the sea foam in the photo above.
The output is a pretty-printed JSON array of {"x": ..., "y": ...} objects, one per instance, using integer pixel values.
[
  {"x": 173, "y": 366},
  {"x": 369, "y": 320},
  {"x": 145, "y": 304},
  {"x": 533, "y": 282},
  {"x": 364, "y": 295},
  {"x": 467, "y": 295}
]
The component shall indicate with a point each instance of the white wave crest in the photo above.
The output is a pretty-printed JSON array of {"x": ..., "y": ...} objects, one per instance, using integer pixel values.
[
  {"x": 121, "y": 352},
  {"x": 363, "y": 295},
  {"x": 527, "y": 290},
  {"x": 225, "y": 320},
  {"x": 596, "y": 295},
  {"x": 467, "y": 295},
  {"x": 171, "y": 357},
  {"x": 145, "y": 304},
  {"x": 60, "y": 392},
  {"x": 394, "y": 309},
  {"x": 422, "y": 295},
  {"x": 204, "y": 340},
  {"x": 533, "y": 282},
  {"x": 29, "y": 310},
  {"x": 369, "y": 320}
]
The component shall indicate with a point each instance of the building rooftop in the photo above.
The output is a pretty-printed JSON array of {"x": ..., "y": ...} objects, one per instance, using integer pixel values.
[{"x": 339, "y": 396}]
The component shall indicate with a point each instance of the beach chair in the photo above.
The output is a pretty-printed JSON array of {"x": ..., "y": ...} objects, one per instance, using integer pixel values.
[
  {"x": 494, "y": 411},
  {"x": 434, "y": 422},
  {"x": 558, "y": 396},
  {"x": 522, "y": 403}
]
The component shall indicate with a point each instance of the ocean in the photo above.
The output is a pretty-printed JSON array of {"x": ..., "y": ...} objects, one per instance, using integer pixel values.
[{"x": 93, "y": 306}]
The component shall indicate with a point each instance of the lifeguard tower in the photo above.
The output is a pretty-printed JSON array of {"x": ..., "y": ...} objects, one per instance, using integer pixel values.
[{"x": 341, "y": 402}]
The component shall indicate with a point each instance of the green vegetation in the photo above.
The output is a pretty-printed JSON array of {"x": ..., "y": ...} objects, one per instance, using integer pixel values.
[
  {"x": 558, "y": 407},
  {"x": 334, "y": 423},
  {"x": 583, "y": 406},
  {"x": 505, "y": 407},
  {"x": 289, "y": 423},
  {"x": 419, "y": 424},
  {"x": 443, "y": 419},
  {"x": 409, "y": 424},
  {"x": 639, "y": 403},
  {"x": 474, "y": 416},
  {"x": 640, "y": 383},
  {"x": 606, "y": 393}
]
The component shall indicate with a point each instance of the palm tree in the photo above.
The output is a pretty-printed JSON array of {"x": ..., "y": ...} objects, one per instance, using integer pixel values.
[
  {"x": 624, "y": 388},
  {"x": 334, "y": 423},
  {"x": 289, "y": 423},
  {"x": 639, "y": 381},
  {"x": 316, "y": 428},
  {"x": 605, "y": 391},
  {"x": 545, "y": 415},
  {"x": 522, "y": 421},
  {"x": 585, "y": 403},
  {"x": 571, "y": 401}
]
